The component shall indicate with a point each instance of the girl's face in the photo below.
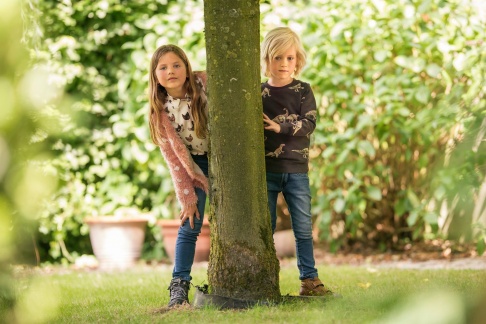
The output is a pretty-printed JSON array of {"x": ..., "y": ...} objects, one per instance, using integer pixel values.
[
  {"x": 282, "y": 67},
  {"x": 171, "y": 73}
]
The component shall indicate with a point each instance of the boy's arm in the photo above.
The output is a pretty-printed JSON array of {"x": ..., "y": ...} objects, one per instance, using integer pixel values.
[{"x": 305, "y": 123}]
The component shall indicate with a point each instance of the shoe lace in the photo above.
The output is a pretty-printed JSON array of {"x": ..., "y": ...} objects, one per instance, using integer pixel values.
[{"x": 178, "y": 290}]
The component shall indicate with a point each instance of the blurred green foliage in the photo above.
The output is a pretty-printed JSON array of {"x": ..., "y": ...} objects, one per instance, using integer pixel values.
[
  {"x": 400, "y": 86},
  {"x": 23, "y": 185}
]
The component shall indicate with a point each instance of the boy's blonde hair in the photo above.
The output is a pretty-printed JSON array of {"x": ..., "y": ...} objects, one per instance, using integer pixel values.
[
  {"x": 158, "y": 95},
  {"x": 276, "y": 42}
]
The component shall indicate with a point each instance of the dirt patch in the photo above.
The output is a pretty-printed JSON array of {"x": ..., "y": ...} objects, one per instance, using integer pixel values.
[{"x": 430, "y": 256}]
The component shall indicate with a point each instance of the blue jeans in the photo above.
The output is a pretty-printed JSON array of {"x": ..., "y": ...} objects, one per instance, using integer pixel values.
[
  {"x": 187, "y": 237},
  {"x": 296, "y": 191}
]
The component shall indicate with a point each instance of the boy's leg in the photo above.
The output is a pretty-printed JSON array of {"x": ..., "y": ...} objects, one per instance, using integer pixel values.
[
  {"x": 274, "y": 186},
  {"x": 296, "y": 191}
]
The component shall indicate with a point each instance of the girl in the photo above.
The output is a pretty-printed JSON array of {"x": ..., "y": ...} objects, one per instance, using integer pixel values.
[
  {"x": 178, "y": 125},
  {"x": 290, "y": 118}
]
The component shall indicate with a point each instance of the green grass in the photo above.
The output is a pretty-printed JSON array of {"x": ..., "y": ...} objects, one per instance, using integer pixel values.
[{"x": 368, "y": 296}]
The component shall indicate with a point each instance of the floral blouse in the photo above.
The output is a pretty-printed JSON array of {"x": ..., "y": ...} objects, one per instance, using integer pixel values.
[{"x": 180, "y": 116}]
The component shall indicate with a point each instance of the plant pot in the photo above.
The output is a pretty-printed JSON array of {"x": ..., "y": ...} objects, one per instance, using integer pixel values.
[
  {"x": 117, "y": 242},
  {"x": 170, "y": 228},
  {"x": 284, "y": 243}
]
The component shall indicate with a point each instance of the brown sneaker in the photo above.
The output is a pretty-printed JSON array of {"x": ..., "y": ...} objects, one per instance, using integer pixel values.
[{"x": 313, "y": 287}]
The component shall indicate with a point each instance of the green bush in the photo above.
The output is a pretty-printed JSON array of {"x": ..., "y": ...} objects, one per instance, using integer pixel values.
[
  {"x": 99, "y": 52},
  {"x": 400, "y": 84},
  {"x": 400, "y": 90}
]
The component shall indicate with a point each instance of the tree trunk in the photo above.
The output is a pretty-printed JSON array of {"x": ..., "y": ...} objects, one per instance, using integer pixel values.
[{"x": 242, "y": 263}]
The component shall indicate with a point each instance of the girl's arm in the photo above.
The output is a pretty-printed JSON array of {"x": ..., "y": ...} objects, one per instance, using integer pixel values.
[{"x": 201, "y": 75}]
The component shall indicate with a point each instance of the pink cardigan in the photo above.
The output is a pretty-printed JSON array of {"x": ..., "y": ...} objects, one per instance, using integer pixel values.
[{"x": 185, "y": 173}]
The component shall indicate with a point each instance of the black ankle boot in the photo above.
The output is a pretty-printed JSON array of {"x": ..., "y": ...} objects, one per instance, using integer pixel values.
[{"x": 178, "y": 292}]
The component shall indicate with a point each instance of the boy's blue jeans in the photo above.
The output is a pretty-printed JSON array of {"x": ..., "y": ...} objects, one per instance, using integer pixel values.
[
  {"x": 296, "y": 191},
  {"x": 187, "y": 237}
]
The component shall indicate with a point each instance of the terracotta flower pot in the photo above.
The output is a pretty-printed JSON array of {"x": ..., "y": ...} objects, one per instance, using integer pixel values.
[
  {"x": 284, "y": 243},
  {"x": 170, "y": 227},
  {"x": 117, "y": 241}
]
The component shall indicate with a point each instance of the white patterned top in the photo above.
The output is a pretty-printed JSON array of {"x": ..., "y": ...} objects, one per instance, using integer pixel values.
[{"x": 180, "y": 116}]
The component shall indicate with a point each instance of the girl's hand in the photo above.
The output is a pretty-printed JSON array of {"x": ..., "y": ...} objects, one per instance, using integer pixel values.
[
  {"x": 188, "y": 213},
  {"x": 271, "y": 125}
]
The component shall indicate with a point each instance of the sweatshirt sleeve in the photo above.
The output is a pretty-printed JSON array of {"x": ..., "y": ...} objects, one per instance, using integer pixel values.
[{"x": 305, "y": 123}]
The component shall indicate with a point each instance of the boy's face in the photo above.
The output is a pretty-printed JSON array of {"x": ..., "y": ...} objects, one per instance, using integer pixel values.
[
  {"x": 282, "y": 67},
  {"x": 171, "y": 73}
]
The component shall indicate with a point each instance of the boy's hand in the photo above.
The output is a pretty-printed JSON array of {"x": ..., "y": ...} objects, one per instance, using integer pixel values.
[{"x": 270, "y": 124}]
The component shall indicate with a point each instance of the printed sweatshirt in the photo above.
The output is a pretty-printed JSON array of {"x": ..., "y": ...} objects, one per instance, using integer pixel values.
[{"x": 293, "y": 107}]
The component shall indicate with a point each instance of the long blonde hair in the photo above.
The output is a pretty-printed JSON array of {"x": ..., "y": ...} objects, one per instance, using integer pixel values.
[
  {"x": 276, "y": 42},
  {"x": 158, "y": 96}
]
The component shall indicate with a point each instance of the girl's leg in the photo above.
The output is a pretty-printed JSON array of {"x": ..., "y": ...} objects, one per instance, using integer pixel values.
[
  {"x": 186, "y": 242},
  {"x": 187, "y": 237}
]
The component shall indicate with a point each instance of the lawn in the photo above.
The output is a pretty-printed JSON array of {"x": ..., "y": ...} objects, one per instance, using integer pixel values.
[{"x": 369, "y": 295}]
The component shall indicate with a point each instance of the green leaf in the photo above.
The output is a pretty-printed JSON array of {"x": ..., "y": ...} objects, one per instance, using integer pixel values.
[
  {"x": 328, "y": 152},
  {"x": 403, "y": 111},
  {"x": 366, "y": 147},
  {"x": 381, "y": 56},
  {"x": 341, "y": 59},
  {"x": 431, "y": 218},
  {"x": 402, "y": 61},
  {"x": 480, "y": 246},
  {"x": 459, "y": 62},
  {"x": 433, "y": 70},
  {"x": 422, "y": 95},
  {"x": 339, "y": 205},
  {"x": 374, "y": 193},
  {"x": 412, "y": 197},
  {"x": 439, "y": 193},
  {"x": 412, "y": 218},
  {"x": 401, "y": 207}
]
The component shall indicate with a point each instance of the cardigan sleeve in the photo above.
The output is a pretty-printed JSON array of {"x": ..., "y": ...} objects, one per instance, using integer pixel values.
[{"x": 183, "y": 185}]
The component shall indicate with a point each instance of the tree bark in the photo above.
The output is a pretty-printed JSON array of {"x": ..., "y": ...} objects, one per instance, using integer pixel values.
[{"x": 243, "y": 263}]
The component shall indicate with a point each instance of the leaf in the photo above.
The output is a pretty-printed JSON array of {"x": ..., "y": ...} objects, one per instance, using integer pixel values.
[
  {"x": 328, "y": 152},
  {"x": 139, "y": 58},
  {"x": 412, "y": 197},
  {"x": 339, "y": 205},
  {"x": 342, "y": 156},
  {"x": 366, "y": 147},
  {"x": 433, "y": 70},
  {"x": 412, "y": 218},
  {"x": 374, "y": 193},
  {"x": 439, "y": 193},
  {"x": 140, "y": 155},
  {"x": 402, "y": 61},
  {"x": 459, "y": 62},
  {"x": 341, "y": 59},
  {"x": 431, "y": 218},
  {"x": 381, "y": 56},
  {"x": 401, "y": 207},
  {"x": 422, "y": 95},
  {"x": 363, "y": 121},
  {"x": 480, "y": 246},
  {"x": 120, "y": 129},
  {"x": 403, "y": 111}
]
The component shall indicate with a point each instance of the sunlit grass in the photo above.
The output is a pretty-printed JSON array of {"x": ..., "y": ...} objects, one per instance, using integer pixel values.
[{"x": 138, "y": 295}]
